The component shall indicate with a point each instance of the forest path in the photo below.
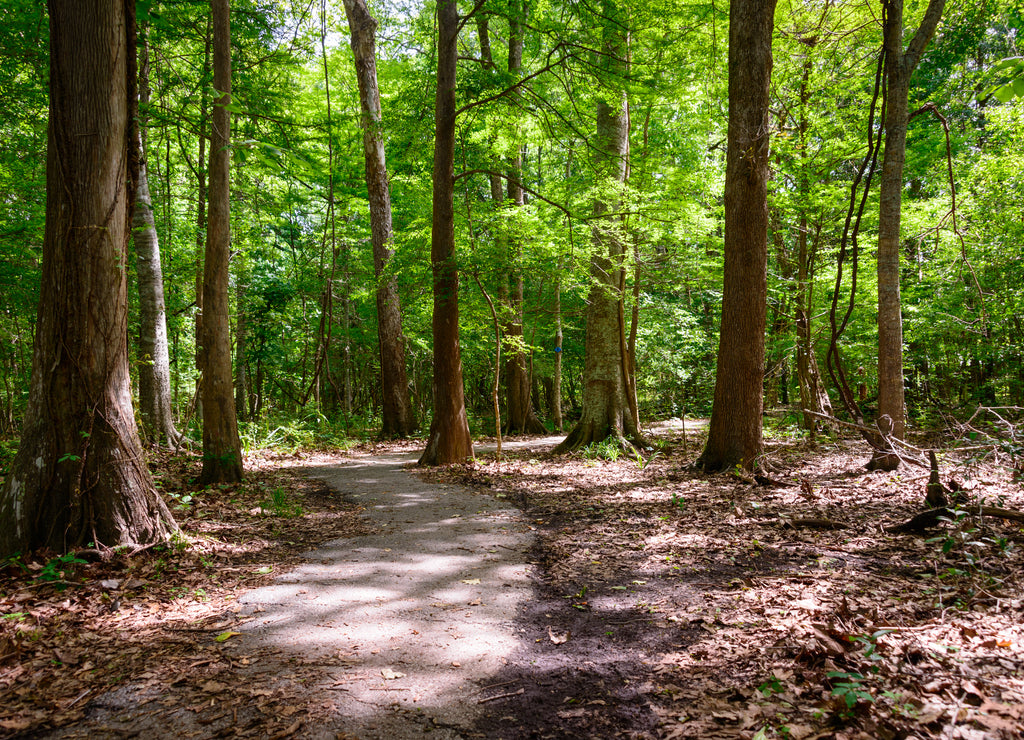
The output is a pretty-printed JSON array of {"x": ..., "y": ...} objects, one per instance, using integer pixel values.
[{"x": 409, "y": 622}]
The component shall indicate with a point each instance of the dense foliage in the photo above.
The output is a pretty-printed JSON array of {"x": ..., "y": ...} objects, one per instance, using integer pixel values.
[{"x": 303, "y": 280}]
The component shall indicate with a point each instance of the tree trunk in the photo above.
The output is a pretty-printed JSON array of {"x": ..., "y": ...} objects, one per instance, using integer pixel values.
[
  {"x": 556, "y": 377},
  {"x": 154, "y": 361},
  {"x": 222, "y": 451},
  {"x": 898, "y": 68},
  {"x": 734, "y": 437},
  {"x": 241, "y": 348},
  {"x": 201, "y": 215},
  {"x": 448, "y": 440},
  {"x": 522, "y": 418},
  {"x": 154, "y": 366},
  {"x": 813, "y": 397},
  {"x": 399, "y": 419},
  {"x": 605, "y": 408},
  {"x": 79, "y": 474},
  {"x": 629, "y": 349}
]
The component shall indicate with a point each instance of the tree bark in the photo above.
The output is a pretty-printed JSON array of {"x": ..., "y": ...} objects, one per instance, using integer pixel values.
[
  {"x": 734, "y": 437},
  {"x": 79, "y": 475},
  {"x": 154, "y": 366},
  {"x": 222, "y": 450},
  {"x": 399, "y": 419},
  {"x": 899, "y": 66},
  {"x": 448, "y": 440},
  {"x": 154, "y": 361},
  {"x": 605, "y": 408}
]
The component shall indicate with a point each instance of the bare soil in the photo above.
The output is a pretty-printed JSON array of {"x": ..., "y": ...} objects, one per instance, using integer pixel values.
[{"x": 667, "y": 604}]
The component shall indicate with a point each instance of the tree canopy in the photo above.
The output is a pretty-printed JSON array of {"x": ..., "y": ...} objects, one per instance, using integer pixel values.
[{"x": 529, "y": 165}]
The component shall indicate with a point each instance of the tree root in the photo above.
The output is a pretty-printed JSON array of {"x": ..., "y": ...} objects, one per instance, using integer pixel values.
[{"x": 932, "y": 517}]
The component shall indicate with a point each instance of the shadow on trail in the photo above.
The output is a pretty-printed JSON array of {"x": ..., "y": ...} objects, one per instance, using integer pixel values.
[{"x": 407, "y": 616}]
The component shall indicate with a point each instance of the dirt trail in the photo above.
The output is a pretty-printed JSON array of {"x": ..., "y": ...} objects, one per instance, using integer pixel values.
[{"x": 414, "y": 617}]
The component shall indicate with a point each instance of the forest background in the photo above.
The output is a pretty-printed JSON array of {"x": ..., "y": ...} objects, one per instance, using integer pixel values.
[{"x": 303, "y": 284}]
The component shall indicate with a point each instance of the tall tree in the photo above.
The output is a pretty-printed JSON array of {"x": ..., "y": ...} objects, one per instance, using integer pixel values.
[
  {"x": 813, "y": 396},
  {"x": 202, "y": 202},
  {"x": 899, "y": 66},
  {"x": 398, "y": 417},
  {"x": 605, "y": 406},
  {"x": 448, "y": 440},
  {"x": 222, "y": 450},
  {"x": 154, "y": 361},
  {"x": 79, "y": 474},
  {"x": 522, "y": 418},
  {"x": 734, "y": 437}
]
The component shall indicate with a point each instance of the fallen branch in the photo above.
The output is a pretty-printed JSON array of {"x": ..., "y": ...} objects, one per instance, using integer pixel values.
[
  {"x": 501, "y": 696},
  {"x": 932, "y": 517}
]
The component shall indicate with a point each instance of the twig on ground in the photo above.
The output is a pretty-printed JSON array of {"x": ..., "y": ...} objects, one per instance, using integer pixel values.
[{"x": 501, "y": 696}]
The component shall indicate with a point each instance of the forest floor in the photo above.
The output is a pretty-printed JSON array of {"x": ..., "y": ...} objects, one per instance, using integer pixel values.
[{"x": 659, "y": 602}]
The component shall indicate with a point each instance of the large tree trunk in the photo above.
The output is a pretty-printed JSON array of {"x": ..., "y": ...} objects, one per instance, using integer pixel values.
[
  {"x": 79, "y": 474},
  {"x": 449, "y": 440},
  {"x": 605, "y": 408},
  {"x": 399, "y": 420},
  {"x": 898, "y": 68},
  {"x": 734, "y": 437},
  {"x": 222, "y": 450}
]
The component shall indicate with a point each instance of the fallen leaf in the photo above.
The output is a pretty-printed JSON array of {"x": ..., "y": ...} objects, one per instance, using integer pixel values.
[
  {"x": 226, "y": 635},
  {"x": 15, "y": 724},
  {"x": 558, "y": 637}
]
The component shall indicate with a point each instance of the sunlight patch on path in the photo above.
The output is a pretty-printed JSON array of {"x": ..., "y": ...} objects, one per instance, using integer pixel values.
[{"x": 409, "y": 621}]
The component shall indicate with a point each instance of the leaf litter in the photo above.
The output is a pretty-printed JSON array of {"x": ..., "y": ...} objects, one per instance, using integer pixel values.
[
  {"x": 115, "y": 646},
  {"x": 703, "y": 606},
  {"x": 670, "y": 604}
]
